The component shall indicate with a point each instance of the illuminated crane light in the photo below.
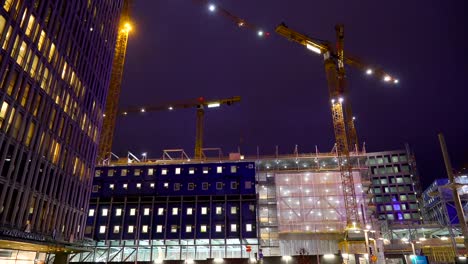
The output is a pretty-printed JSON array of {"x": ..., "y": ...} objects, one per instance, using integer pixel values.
[
  {"x": 241, "y": 23},
  {"x": 103, "y": 115},
  {"x": 396, "y": 81},
  {"x": 260, "y": 33},
  {"x": 212, "y": 7},
  {"x": 354, "y": 118},
  {"x": 127, "y": 27},
  {"x": 212, "y": 105},
  {"x": 314, "y": 49},
  {"x": 333, "y": 102},
  {"x": 369, "y": 71},
  {"x": 142, "y": 110},
  {"x": 171, "y": 108},
  {"x": 124, "y": 113},
  {"x": 387, "y": 78},
  {"x": 341, "y": 100}
]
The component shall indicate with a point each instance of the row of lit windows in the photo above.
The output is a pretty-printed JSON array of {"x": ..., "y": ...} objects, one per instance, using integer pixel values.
[
  {"x": 175, "y": 211},
  {"x": 175, "y": 228},
  {"x": 164, "y": 171},
  {"x": 386, "y": 159},
  {"x": 402, "y": 216},
  {"x": 393, "y": 189},
  {"x": 402, "y": 198},
  {"x": 177, "y": 186},
  {"x": 392, "y": 180},
  {"x": 23, "y": 54},
  {"x": 398, "y": 207},
  {"x": 390, "y": 169}
]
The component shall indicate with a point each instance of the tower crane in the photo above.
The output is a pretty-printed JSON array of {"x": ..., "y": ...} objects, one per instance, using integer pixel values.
[
  {"x": 112, "y": 101},
  {"x": 200, "y": 104},
  {"x": 343, "y": 125}
]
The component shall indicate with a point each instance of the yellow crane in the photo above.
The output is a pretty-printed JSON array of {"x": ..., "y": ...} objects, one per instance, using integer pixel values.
[
  {"x": 112, "y": 101},
  {"x": 344, "y": 129},
  {"x": 200, "y": 104}
]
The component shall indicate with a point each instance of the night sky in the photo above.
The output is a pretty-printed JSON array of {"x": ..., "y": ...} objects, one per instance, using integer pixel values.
[{"x": 179, "y": 50}]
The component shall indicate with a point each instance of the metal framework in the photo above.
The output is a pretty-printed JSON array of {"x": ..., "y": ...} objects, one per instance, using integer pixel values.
[{"x": 111, "y": 109}]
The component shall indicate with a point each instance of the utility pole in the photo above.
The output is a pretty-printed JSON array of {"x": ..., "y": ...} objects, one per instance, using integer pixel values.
[{"x": 453, "y": 186}]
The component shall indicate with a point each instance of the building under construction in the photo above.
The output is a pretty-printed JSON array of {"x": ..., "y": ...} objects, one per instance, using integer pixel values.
[{"x": 287, "y": 204}]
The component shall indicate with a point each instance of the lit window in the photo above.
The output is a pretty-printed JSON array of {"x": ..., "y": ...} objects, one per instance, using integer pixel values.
[
  {"x": 175, "y": 211},
  {"x": 125, "y": 186},
  {"x": 203, "y": 228},
  {"x": 189, "y": 211},
  {"x": 218, "y": 228},
  {"x": 248, "y": 185},
  {"x": 152, "y": 185},
  {"x": 219, "y": 186},
  {"x": 104, "y": 212},
  {"x": 205, "y": 186},
  {"x": 132, "y": 211},
  {"x": 233, "y": 210},
  {"x": 118, "y": 212},
  {"x": 191, "y": 186},
  {"x": 205, "y": 170},
  {"x": 102, "y": 229},
  {"x": 233, "y": 228},
  {"x": 163, "y": 171},
  {"x": 111, "y": 186},
  {"x": 91, "y": 212},
  {"x": 219, "y": 210},
  {"x": 176, "y": 186},
  {"x": 233, "y": 185},
  {"x": 130, "y": 229},
  {"x": 173, "y": 229},
  {"x": 150, "y": 172},
  {"x": 248, "y": 227},
  {"x": 219, "y": 169},
  {"x": 97, "y": 173},
  {"x": 188, "y": 229},
  {"x": 137, "y": 172},
  {"x": 233, "y": 169},
  {"x": 123, "y": 172},
  {"x": 138, "y": 185},
  {"x": 191, "y": 171},
  {"x": 144, "y": 229},
  {"x": 166, "y": 185},
  {"x": 177, "y": 170},
  {"x": 146, "y": 211},
  {"x": 251, "y": 207},
  {"x": 159, "y": 229},
  {"x": 160, "y": 211},
  {"x": 116, "y": 229},
  {"x": 204, "y": 210}
]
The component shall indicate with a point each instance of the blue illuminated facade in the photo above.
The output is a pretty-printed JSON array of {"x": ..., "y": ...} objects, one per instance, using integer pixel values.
[{"x": 195, "y": 210}]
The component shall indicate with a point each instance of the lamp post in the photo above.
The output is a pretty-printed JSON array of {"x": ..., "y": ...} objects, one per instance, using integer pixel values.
[{"x": 454, "y": 187}]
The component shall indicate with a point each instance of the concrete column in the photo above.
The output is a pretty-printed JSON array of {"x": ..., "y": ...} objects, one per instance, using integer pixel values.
[{"x": 61, "y": 258}]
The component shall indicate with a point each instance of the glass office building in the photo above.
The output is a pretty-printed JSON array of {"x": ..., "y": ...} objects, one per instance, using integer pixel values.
[{"x": 55, "y": 66}]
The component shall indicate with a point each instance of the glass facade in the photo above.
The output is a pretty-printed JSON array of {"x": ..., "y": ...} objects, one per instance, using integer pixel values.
[{"x": 55, "y": 66}]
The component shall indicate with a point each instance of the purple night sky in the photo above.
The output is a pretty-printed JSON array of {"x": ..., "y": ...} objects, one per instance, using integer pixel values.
[{"x": 179, "y": 50}]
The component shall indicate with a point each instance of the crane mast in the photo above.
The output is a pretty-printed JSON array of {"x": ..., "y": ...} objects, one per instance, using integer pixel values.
[
  {"x": 343, "y": 120},
  {"x": 110, "y": 112}
]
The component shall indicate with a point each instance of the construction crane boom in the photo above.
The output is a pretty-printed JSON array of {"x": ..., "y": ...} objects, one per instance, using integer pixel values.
[
  {"x": 112, "y": 101},
  {"x": 200, "y": 104},
  {"x": 343, "y": 121}
]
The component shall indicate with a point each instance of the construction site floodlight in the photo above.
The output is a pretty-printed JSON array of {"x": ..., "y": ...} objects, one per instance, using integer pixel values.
[
  {"x": 341, "y": 100},
  {"x": 213, "y": 105},
  {"x": 260, "y": 33},
  {"x": 212, "y": 7},
  {"x": 369, "y": 71},
  {"x": 387, "y": 78},
  {"x": 170, "y": 108},
  {"x": 142, "y": 110},
  {"x": 313, "y": 48},
  {"x": 127, "y": 27},
  {"x": 396, "y": 81}
]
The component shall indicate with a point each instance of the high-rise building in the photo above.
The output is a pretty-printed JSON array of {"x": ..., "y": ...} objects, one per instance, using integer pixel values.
[
  {"x": 395, "y": 185},
  {"x": 55, "y": 67}
]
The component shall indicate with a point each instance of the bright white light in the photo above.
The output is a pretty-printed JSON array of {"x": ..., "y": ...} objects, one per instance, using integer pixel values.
[
  {"x": 422, "y": 239},
  {"x": 462, "y": 258},
  {"x": 369, "y": 71},
  {"x": 253, "y": 259},
  {"x": 344, "y": 255},
  {"x": 171, "y": 108},
  {"x": 368, "y": 227},
  {"x": 341, "y": 99},
  {"x": 212, "y": 105},
  {"x": 125, "y": 113},
  {"x": 158, "y": 261},
  {"x": 314, "y": 49},
  {"x": 286, "y": 258},
  {"x": 404, "y": 239},
  {"x": 354, "y": 118},
  {"x": 396, "y": 81},
  {"x": 444, "y": 238},
  {"x": 218, "y": 260},
  {"x": 142, "y": 110},
  {"x": 328, "y": 256},
  {"x": 189, "y": 261},
  {"x": 212, "y": 7},
  {"x": 387, "y": 78},
  {"x": 144, "y": 154},
  {"x": 260, "y": 33},
  {"x": 332, "y": 101}
]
